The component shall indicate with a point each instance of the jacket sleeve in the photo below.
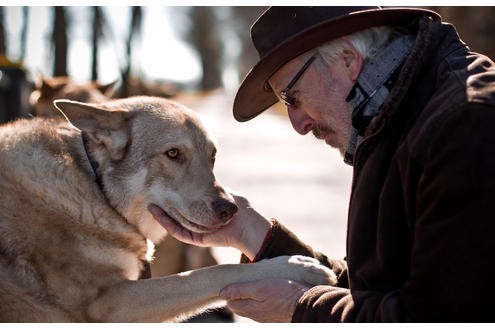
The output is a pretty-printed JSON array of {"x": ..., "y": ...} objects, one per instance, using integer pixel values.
[
  {"x": 314, "y": 305},
  {"x": 283, "y": 242},
  {"x": 451, "y": 258},
  {"x": 451, "y": 271},
  {"x": 452, "y": 242}
]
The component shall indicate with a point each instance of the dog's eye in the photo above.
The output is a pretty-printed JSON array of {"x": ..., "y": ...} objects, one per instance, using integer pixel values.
[{"x": 172, "y": 153}]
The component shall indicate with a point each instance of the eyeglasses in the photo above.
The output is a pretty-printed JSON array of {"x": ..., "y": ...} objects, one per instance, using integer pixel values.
[{"x": 285, "y": 95}]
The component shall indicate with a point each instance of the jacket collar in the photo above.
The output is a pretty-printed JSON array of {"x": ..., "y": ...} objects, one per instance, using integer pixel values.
[{"x": 432, "y": 38}]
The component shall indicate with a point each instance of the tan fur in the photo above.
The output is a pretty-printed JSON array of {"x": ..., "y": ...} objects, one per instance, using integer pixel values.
[
  {"x": 171, "y": 255},
  {"x": 71, "y": 251},
  {"x": 63, "y": 87}
]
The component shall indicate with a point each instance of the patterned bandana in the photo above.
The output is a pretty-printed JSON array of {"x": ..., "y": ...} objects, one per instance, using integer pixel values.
[{"x": 380, "y": 71}]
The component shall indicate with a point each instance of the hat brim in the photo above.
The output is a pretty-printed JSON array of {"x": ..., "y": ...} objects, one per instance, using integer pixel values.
[{"x": 253, "y": 97}]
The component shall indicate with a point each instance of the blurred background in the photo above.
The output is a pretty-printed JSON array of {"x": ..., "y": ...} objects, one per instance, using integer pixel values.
[
  {"x": 148, "y": 50},
  {"x": 153, "y": 50},
  {"x": 157, "y": 50},
  {"x": 198, "y": 55}
]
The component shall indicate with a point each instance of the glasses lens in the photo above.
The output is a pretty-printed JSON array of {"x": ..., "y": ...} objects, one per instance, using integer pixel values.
[
  {"x": 285, "y": 95},
  {"x": 287, "y": 98}
]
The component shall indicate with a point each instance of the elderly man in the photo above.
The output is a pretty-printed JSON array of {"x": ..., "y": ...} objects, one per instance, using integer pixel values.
[{"x": 412, "y": 109}]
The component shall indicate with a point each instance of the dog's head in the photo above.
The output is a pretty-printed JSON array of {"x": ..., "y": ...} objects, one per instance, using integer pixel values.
[
  {"x": 153, "y": 150},
  {"x": 62, "y": 87}
]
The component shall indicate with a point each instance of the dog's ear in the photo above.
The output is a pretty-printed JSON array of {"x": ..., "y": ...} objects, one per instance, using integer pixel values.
[
  {"x": 107, "y": 89},
  {"x": 103, "y": 125},
  {"x": 91, "y": 117},
  {"x": 50, "y": 86}
]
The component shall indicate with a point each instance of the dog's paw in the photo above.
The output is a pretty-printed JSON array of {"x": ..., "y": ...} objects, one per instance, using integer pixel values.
[
  {"x": 314, "y": 272},
  {"x": 303, "y": 269}
]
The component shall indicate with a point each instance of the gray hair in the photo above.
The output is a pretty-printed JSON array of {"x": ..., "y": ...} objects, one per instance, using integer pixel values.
[{"x": 365, "y": 41}]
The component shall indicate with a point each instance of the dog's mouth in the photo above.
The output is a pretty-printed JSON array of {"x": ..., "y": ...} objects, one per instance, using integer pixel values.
[{"x": 181, "y": 220}]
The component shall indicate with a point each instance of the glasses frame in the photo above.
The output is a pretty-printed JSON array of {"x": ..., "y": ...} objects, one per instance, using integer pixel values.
[{"x": 285, "y": 95}]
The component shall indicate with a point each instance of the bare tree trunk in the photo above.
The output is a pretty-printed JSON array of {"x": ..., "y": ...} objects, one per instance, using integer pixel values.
[
  {"x": 243, "y": 19},
  {"x": 60, "y": 41},
  {"x": 3, "y": 41},
  {"x": 134, "y": 29},
  {"x": 205, "y": 38},
  {"x": 24, "y": 30},
  {"x": 97, "y": 32}
]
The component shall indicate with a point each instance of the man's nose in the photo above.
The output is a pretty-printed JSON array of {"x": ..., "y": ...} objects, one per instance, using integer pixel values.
[{"x": 300, "y": 121}]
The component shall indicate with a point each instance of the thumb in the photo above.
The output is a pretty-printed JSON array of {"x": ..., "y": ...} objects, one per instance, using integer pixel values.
[
  {"x": 160, "y": 216},
  {"x": 173, "y": 228},
  {"x": 244, "y": 290}
]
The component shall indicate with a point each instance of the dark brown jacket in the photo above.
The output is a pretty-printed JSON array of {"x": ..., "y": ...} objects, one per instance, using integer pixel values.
[{"x": 421, "y": 226}]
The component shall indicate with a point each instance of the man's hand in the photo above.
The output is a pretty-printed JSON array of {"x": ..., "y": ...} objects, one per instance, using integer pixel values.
[
  {"x": 245, "y": 231},
  {"x": 221, "y": 237},
  {"x": 268, "y": 300}
]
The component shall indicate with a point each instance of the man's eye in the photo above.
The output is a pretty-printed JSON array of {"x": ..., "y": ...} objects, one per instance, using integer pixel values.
[{"x": 172, "y": 153}]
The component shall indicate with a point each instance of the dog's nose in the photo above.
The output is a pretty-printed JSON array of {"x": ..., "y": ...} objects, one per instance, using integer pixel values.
[{"x": 224, "y": 209}]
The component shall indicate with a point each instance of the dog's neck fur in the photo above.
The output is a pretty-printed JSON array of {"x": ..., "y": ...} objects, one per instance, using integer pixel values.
[
  {"x": 92, "y": 163},
  {"x": 146, "y": 271}
]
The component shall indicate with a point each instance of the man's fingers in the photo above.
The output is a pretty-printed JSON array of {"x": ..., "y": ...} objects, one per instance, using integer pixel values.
[
  {"x": 240, "y": 200},
  {"x": 266, "y": 300},
  {"x": 244, "y": 308},
  {"x": 157, "y": 213},
  {"x": 170, "y": 225},
  {"x": 162, "y": 218},
  {"x": 243, "y": 290}
]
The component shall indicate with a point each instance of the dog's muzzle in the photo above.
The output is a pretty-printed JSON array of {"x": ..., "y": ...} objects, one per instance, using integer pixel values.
[{"x": 224, "y": 209}]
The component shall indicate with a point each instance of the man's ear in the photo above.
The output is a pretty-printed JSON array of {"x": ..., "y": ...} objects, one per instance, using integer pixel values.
[
  {"x": 353, "y": 59},
  {"x": 104, "y": 126}
]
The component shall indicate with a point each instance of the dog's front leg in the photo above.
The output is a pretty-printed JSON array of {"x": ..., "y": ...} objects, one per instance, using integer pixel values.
[
  {"x": 170, "y": 297},
  {"x": 153, "y": 300}
]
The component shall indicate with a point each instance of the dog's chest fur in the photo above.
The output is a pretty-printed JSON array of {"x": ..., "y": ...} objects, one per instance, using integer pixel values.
[{"x": 57, "y": 231}]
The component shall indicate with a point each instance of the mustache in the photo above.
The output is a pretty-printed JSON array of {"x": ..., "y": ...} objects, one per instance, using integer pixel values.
[{"x": 320, "y": 131}]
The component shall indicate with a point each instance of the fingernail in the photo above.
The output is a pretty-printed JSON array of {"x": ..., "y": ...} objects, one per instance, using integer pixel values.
[{"x": 223, "y": 294}]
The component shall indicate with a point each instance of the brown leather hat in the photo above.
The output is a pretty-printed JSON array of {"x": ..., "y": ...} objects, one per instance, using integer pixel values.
[{"x": 283, "y": 33}]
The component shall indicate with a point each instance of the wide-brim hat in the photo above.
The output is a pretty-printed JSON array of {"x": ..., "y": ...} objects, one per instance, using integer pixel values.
[{"x": 283, "y": 33}]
